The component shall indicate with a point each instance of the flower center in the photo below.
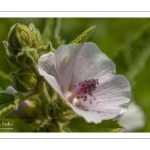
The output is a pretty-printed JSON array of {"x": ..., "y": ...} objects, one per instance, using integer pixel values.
[{"x": 85, "y": 88}]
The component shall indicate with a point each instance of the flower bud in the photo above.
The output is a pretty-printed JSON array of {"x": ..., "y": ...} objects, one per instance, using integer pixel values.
[
  {"x": 55, "y": 108},
  {"x": 43, "y": 49},
  {"x": 36, "y": 36},
  {"x": 24, "y": 80},
  {"x": 19, "y": 36},
  {"x": 8, "y": 49},
  {"x": 27, "y": 57},
  {"x": 10, "y": 56},
  {"x": 12, "y": 61}
]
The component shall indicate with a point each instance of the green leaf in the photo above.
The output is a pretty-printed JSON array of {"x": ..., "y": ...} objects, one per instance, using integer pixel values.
[
  {"x": 80, "y": 125},
  {"x": 8, "y": 103},
  {"x": 84, "y": 36},
  {"x": 4, "y": 80},
  {"x": 51, "y": 32}
]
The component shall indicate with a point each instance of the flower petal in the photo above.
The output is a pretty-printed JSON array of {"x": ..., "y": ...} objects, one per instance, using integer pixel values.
[
  {"x": 110, "y": 98},
  {"x": 51, "y": 80},
  {"x": 22, "y": 105},
  {"x": 10, "y": 90},
  {"x": 92, "y": 63},
  {"x": 47, "y": 70},
  {"x": 99, "y": 114},
  {"x": 65, "y": 57},
  {"x": 113, "y": 90},
  {"x": 46, "y": 63},
  {"x": 133, "y": 119}
]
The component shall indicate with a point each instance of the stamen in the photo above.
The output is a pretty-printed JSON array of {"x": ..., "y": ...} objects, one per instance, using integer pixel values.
[{"x": 86, "y": 87}]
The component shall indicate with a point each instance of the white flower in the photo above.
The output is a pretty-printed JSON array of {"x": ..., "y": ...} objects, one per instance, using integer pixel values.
[
  {"x": 85, "y": 78},
  {"x": 133, "y": 119}
]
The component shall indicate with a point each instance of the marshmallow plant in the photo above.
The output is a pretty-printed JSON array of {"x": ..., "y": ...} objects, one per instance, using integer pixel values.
[{"x": 69, "y": 84}]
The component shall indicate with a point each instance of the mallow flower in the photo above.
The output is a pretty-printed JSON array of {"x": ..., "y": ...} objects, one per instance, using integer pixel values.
[
  {"x": 134, "y": 119},
  {"x": 85, "y": 78}
]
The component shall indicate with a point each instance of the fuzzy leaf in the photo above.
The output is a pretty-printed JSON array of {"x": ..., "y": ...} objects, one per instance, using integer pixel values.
[
  {"x": 8, "y": 103},
  {"x": 80, "y": 125},
  {"x": 51, "y": 32},
  {"x": 84, "y": 36},
  {"x": 4, "y": 80}
]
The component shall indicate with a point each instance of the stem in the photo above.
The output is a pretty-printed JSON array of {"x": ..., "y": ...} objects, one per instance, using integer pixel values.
[
  {"x": 58, "y": 124},
  {"x": 23, "y": 97},
  {"x": 45, "y": 95}
]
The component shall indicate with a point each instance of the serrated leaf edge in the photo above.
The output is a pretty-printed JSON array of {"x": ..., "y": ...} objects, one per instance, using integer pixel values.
[{"x": 10, "y": 108}]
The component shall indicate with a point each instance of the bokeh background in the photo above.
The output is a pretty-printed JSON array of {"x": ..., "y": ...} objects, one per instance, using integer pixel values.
[{"x": 125, "y": 40}]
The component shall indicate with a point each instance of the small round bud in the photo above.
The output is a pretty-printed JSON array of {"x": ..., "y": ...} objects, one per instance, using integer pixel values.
[
  {"x": 24, "y": 80},
  {"x": 55, "y": 109}
]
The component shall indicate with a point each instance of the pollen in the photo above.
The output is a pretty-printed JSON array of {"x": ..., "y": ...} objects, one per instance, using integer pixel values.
[{"x": 85, "y": 88}]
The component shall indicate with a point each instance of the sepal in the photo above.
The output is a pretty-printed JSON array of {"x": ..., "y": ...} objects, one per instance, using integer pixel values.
[
  {"x": 27, "y": 57},
  {"x": 55, "y": 108},
  {"x": 23, "y": 80}
]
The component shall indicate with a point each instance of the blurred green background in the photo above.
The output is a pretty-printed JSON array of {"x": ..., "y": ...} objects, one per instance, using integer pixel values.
[{"x": 125, "y": 40}]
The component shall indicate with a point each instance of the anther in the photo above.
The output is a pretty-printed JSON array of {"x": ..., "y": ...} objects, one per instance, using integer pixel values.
[{"x": 86, "y": 87}]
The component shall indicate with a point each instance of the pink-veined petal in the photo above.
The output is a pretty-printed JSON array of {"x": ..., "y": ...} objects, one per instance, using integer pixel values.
[{"x": 92, "y": 63}]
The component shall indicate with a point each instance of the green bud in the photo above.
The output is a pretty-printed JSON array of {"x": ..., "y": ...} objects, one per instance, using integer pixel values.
[
  {"x": 55, "y": 108},
  {"x": 41, "y": 50},
  {"x": 36, "y": 36},
  {"x": 19, "y": 36},
  {"x": 12, "y": 61},
  {"x": 8, "y": 49},
  {"x": 27, "y": 57},
  {"x": 39, "y": 85},
  {"x": 10, "y": 57},
  {"x": 24, "y": 80}
]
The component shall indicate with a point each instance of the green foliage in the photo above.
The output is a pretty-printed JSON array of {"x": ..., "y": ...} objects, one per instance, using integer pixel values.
[
  {"x": 8, "y": 103},
  {"x": 51, "y": 32},
  {"x": 84, "y": 36},
  {"x": 24, "y": 80},
  {"x": 4, "y": 80},
  {"x": 80, "y": 125},
  {"x": 55, "y": 108},
  {"x": 124, "y": 40},
  {"x": 133, "y": 55}
]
